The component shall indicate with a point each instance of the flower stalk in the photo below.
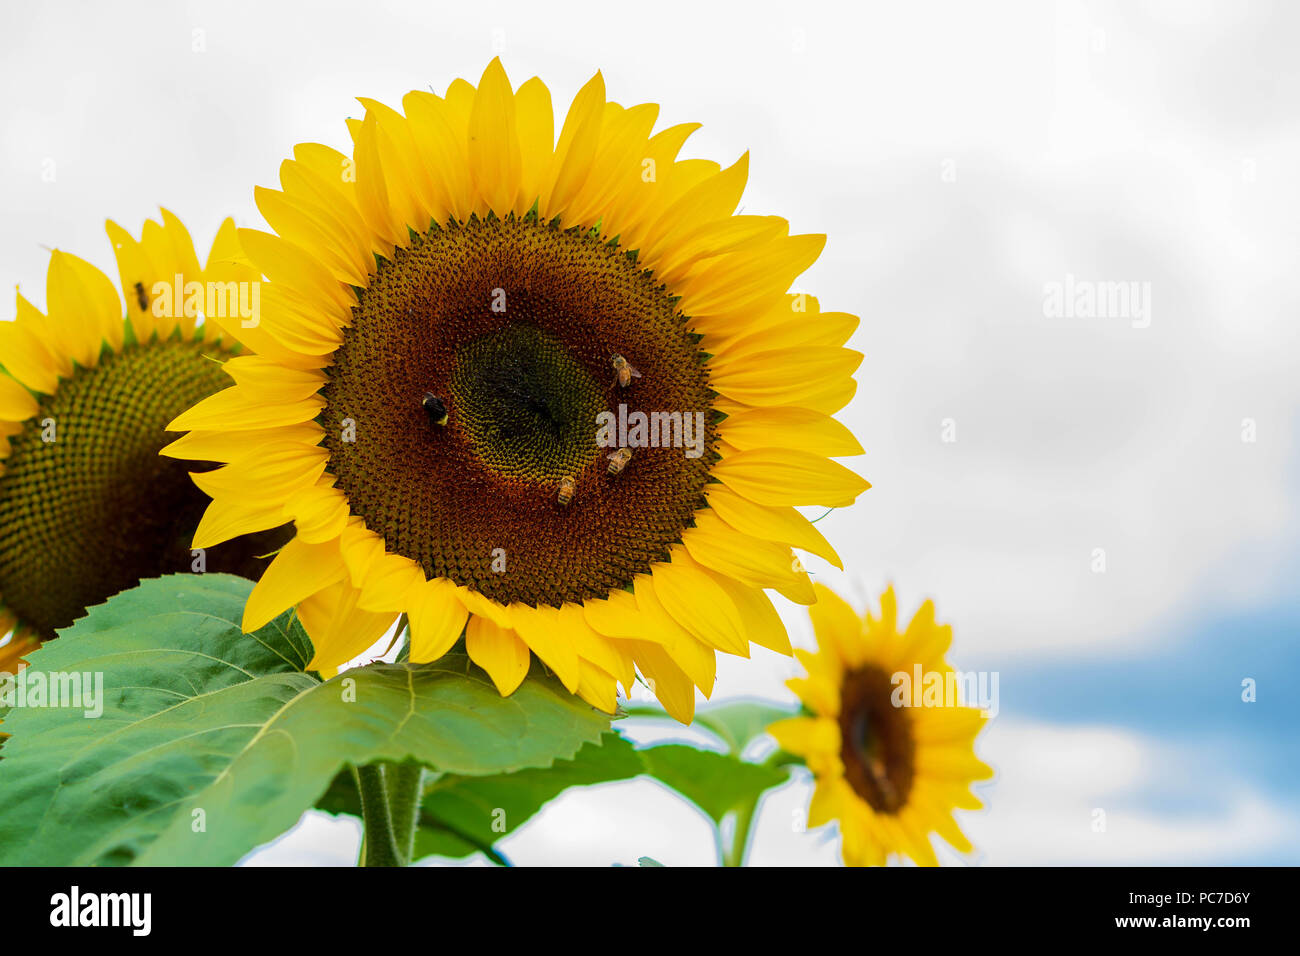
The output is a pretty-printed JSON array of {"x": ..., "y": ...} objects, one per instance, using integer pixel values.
[{"x": 390, "y": 800}]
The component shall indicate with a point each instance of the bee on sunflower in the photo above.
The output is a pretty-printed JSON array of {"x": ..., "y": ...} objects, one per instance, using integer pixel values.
[
  {"x": 890, "y": 773},
  {"x": 451, "y": 310},
  {"x": 87, "y": 506}
]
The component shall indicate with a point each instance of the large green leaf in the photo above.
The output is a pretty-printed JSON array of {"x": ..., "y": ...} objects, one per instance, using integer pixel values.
[
  {"x": 463, "y": 815},
  {"x": 460, "y": 815},
  {"x": 212, "y": 742}
]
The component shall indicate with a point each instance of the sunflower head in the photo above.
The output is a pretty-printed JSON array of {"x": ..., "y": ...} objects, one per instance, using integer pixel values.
[
  {"x": 890, "y": 764},
  {"x": 545, "y": 392},
  {"x": 87, "y": 506}
]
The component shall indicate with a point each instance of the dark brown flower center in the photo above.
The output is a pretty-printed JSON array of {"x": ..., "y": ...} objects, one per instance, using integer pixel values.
[
  {"x": 88, "y": 507},
  {"x": 877, "y": 748},
  {"x": 510, "y": 327}
]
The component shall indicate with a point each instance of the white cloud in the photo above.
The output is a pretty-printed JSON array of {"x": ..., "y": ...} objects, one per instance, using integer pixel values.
[{"x": 1052, "y": 779}]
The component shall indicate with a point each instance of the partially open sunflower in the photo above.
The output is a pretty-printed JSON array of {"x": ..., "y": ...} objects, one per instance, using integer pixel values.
[
  {"x": 454, "y": 312},
  {"x": 87, "y": 507},
  {"x": 890, "y": 774}
]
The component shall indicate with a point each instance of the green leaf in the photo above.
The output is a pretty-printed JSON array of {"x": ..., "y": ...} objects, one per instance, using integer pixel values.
[
  {"x": 461, "y": 815},
  {"x": 736, "y": 723},
  {"x": 741, "y": 722},
  {"x": 213, "y": 742},
  {"x": 716, "y": 783}
]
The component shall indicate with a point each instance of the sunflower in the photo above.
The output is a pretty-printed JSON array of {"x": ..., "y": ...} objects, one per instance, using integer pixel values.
[
  {"x": 87, "y": 507},
  {"x": 550, "y": 394},
  {"x": 889, "y": 772}
]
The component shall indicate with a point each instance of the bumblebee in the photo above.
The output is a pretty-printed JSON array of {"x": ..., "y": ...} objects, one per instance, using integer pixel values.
[{"x": 435, "y": 407}]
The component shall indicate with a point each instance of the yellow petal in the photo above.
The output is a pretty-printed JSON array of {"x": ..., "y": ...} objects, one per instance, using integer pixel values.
[
  {"x": 722, "y": 291},
  {"x": 320, "y": 513},
  {"x": 494, "y": 157},
  {"x": 776, "y": 476},
  {"x": 838, "y": 627},
  {"x": 284, "y": 262},
  {"x": 85, "y": 302},
  {"x": 579, "y": 137},
  {"x": 240, "y": 409},
  {"x": 139, "y": 274},
  {"x": 698, "y": 603},
  {"x": 770, "y": 523},
  {"x": 784, "y": 376},
  {"x": 229, "y": 516},
  {"x": 229, "y": 445},
  {"x": 272, "y": 471},
  {"x": 410, "y": 188},
  {"x": 484, "y": 607},
  {"x": 298, "y": 571},
  {"x": 16, "y": 403},
  {"x": 437, "y": 620},
  {"x": 372, "y": 185},
  {"x": 761, "y": 564},
  {"x": 39, "y": 354},
  {"x": 391, "y": 584},
  {"x": 696, "y": 659},
  {"x": 807, "y": 735},
  {"x": 788, "y": 427},
  {"x": 441, "y": 148},
  {"x": 339, "y": 630},
  {"x": 668, "y": 681},
  {"x": 759, "y": 621},
  {"x": 618, "y": 616},
  {"x": 820, "y": 696},
  {"x": 310, "y": 226},
  {"x": 540, "y": 629},
  {"x": 597, "y": 688},
  {"x": 535, "y": 121},
  {"x": 499, "y": 652},
  {"x": 828, "y": 802},
  {"x": 714, "y": 198}
]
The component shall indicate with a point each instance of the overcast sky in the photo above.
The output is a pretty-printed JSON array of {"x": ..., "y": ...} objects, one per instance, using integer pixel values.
[{"x": 966, "y": 161}]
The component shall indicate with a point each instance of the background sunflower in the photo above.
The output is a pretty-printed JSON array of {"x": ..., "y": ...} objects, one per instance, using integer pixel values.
[
  {"x": 890, "y": 766},
  {"x": 87, "y": 507}
]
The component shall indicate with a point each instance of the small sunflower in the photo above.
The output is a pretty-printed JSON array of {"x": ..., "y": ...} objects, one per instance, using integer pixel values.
[
  {"x": 551, "y": 394},
  {"x": 890, "y": 773},
  {"x": 87, "y": 507}
]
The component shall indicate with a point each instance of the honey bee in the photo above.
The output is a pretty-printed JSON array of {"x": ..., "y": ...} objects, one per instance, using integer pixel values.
[
  {"x": 566, "y": 491},
  {"x": 141, "y": 298},
  {"x": 623, "y": 371},
  {"x": 618, "y": 460},
  {"x": 435, "y": 407}
]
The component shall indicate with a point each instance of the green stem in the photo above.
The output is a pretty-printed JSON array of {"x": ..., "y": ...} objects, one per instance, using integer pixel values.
[
  {"x": 734, "y": 855},
  {"x": 405, "y": 788},
  {"x": 388, "y": 801}
]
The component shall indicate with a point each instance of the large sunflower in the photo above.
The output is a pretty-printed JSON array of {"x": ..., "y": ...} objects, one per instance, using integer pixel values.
[
  {"x": 87, "y": 508},
  {"x": 454, "y": 313},
  {"x": 889, "y": 772}
]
